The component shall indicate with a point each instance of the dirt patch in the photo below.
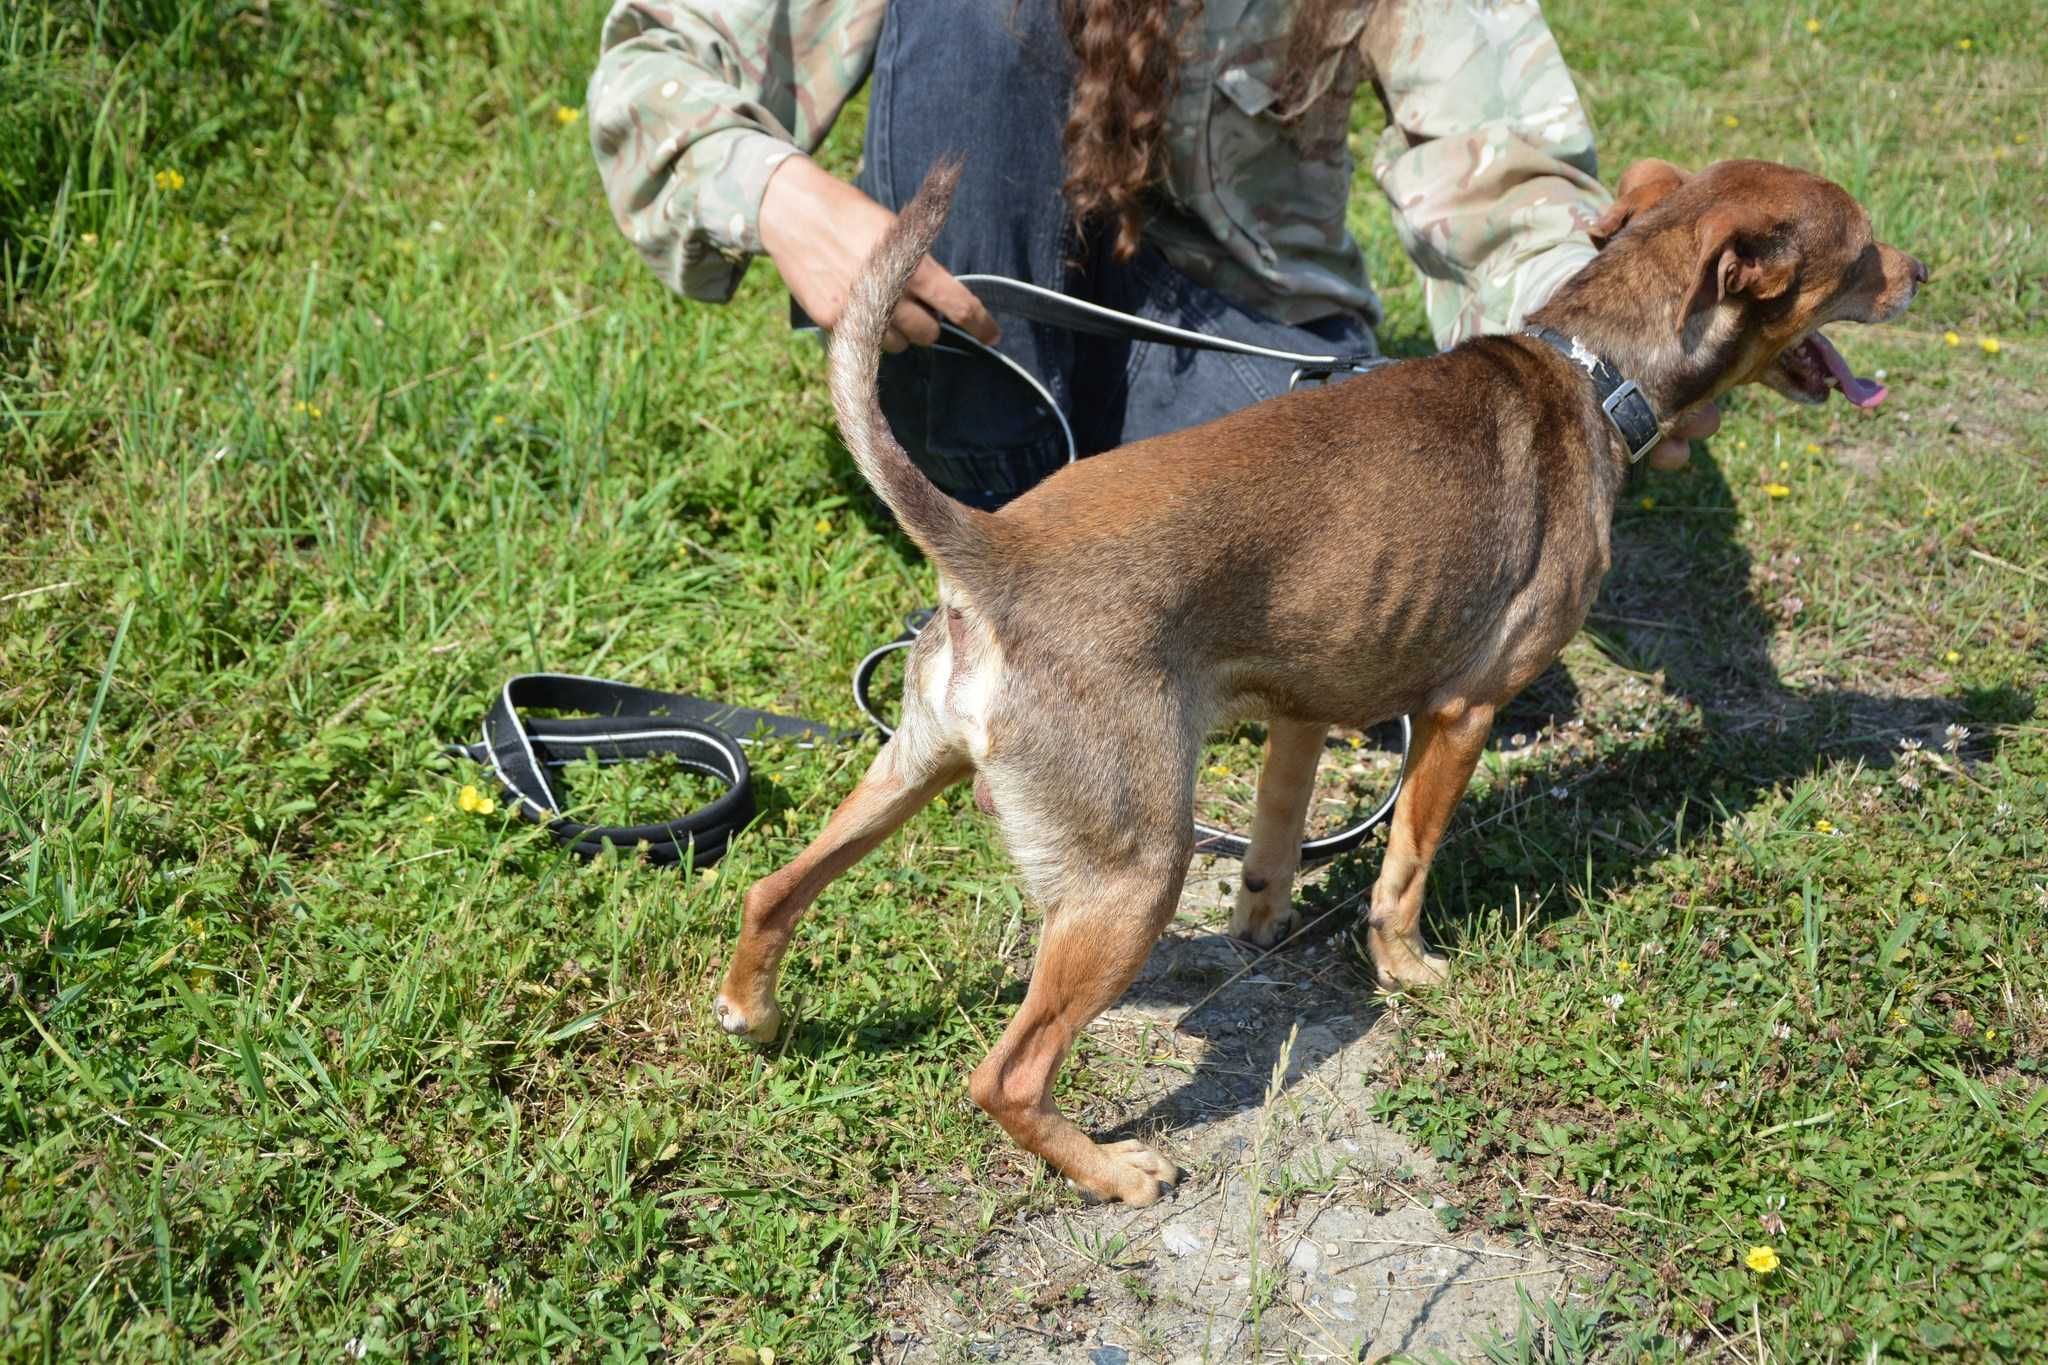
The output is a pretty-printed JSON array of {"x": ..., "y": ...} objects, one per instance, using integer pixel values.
[{"x": 1303, "y": 1226}]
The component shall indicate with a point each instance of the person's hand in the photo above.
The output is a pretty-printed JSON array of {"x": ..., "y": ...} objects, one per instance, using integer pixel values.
[
  {"x": 819, "y": 232},
  {"x": 1672, "y": 452}
]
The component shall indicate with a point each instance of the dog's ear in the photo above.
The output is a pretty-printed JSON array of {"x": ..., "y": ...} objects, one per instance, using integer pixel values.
[
  {"x": 1639, "y": 189},
  {"x": 1737, "y": 256}
]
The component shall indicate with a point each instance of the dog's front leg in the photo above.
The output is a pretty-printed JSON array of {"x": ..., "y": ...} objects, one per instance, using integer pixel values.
[
  {"x": 1443, "y": 751},
  {"x": 885, "y": 798},
  {"x": 1091, "y": 949},
  {"x": 1265, "y": 893}
]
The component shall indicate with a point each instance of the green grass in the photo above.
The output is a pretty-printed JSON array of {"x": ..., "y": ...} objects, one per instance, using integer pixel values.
[{"x": 303, "y": 456}]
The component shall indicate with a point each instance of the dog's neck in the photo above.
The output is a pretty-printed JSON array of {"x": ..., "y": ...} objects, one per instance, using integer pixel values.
[{"x": 1624, "y": 306}]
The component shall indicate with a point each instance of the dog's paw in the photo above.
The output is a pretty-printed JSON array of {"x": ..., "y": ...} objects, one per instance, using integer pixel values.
[
  {"x": 1263, "y": 916},
  {"x": 759, "y": 1025},
  {"x": 1133, "y": 1174},
  {"x": 1408, "y": 967}
]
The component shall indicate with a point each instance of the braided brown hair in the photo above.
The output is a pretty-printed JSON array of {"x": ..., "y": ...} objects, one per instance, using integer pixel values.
[{"x": 1128, "y": 55}]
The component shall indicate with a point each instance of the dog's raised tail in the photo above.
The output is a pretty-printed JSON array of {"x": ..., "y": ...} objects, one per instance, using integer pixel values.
[{"x": 944, "y": 529}]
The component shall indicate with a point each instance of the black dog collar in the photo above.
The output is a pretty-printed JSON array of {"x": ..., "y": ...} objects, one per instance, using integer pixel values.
[{"x": 1620, "y": 399}]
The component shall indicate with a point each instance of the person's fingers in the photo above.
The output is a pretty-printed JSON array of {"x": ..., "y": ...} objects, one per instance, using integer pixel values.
[
  {"x": 934, "y": 286},
  {"x": 1698, "y": 424},
  {"x": 892, "y": 341},
  {"x": 916, "y": 323},
  {"x": 1673, "y": 452}
]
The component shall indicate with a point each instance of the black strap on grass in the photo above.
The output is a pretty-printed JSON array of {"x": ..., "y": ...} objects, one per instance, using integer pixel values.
[{"x": 618, "y": 724}]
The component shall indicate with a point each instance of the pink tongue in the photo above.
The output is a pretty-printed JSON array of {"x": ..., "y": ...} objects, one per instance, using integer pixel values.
[{"x": 1864, "y": 393}]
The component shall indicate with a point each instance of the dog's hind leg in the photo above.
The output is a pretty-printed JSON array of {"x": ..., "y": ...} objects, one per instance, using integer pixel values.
[
  {"x": 1445, "y": 748},
  {"x": 1265, "y": 892},
  {"x": 1093, "y": 944},
  {"x": 895, "y": 788}
]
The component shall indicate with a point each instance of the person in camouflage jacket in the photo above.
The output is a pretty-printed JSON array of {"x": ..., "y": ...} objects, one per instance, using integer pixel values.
[{"x": 699, "y": 107}]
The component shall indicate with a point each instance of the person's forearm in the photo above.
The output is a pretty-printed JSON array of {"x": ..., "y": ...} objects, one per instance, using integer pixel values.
[
  {"x": 693, "y": 107},
  {"x": 1487, "y": 161}
]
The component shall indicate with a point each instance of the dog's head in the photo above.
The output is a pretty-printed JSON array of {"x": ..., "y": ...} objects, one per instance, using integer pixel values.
[{"x": 1774, "y": 254}]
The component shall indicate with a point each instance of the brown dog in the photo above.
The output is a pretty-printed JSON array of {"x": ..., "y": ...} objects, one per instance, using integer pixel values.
[{"x": 1095, "y": 630}]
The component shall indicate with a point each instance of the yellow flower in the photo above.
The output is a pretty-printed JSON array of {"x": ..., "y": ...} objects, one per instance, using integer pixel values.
[
  {"x": 565, "y": 115},
  {"x": 1813, "y": 25},
  {"x": 823, "y": 526},
  {"x": 1785, "y": 466},
  {"x": 168, "y": 179},
  {"x": 1952, "y": 657},
  {"x": 1730, "y": 121},
  {"x": 498, "y": 420},
  {"x": 475, "y": 802},
  {"x": 2018, "y": 139},
  {"x": 1763, "y": 1260},
  {"x": 1648, "y": 504},
  {"x": 1355, "y": 742},
  {"x": 1218, "y": 770},
  {"x": 1952, "y": 338},
  {"x": 305, "y": 409},
  {"x": 1990, "y": 1034},
  {"x": 88, "y": 239},
  {"x": 1777, "y": 490},
  {"x": 1990, "y": 345},
  {"x": 1964, "y": 44},
  {"x": 1624, "y": 968},
  {"x": 1824, "y": 826},
  {"x": 1812, "y": 448}
]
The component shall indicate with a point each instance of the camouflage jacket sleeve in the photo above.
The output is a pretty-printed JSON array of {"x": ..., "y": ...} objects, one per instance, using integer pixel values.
[
  {"x": 695, "y": 102},
  {"x": 1487, "y": 159}
]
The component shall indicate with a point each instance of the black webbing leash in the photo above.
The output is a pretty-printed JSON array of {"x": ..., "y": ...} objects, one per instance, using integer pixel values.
[{"x": 619, "y": 722}]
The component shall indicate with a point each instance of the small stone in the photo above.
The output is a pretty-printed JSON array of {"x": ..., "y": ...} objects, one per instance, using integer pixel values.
[
  {"x": 1180, "y": 1240},
  {"x": 1109, "y": 1355},
  {"x": 1306, "y": 1258}
]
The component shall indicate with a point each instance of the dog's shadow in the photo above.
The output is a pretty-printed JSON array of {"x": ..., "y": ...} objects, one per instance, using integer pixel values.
[{"x": 1680, "y": 603}]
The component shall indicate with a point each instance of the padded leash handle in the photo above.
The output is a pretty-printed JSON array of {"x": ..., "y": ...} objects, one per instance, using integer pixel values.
[{"x": 622, "y": 723}]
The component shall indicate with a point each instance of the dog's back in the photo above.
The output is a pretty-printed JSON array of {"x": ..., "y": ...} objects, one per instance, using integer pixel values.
[{"x": 1332, "y": 543}]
